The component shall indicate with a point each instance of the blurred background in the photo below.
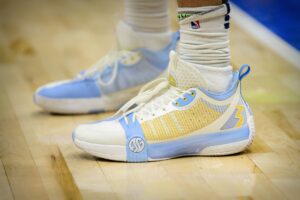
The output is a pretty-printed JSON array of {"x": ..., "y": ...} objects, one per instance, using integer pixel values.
[{"x": 48, "y": 40}]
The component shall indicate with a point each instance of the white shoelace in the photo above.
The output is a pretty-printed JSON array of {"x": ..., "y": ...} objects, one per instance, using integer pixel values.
[
  {"x": 154, "y": 96},
  {"x": 112, "y": 58}
]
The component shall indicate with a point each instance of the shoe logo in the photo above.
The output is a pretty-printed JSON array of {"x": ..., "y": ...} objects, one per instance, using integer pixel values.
[
  {"x": 136, "y": 144},
  {"x": 195, "y": 24},
  {"x": 239, "y": 116}
]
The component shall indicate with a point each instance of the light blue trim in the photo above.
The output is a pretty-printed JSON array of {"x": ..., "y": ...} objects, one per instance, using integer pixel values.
[
  {"x": 228, "y": 93},
  {"x": 74, "y": 89},
  {"x": 134, "y": 130},
  {"x": 188, "y": 99},
  {"x": 194, "y": 144},
  {"x": 237, "y": 77},
  {"x": 242, "y": 73}
]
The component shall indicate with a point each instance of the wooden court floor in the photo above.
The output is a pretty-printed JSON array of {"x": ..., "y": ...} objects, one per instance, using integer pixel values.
[{"x": 43, "y": 41}]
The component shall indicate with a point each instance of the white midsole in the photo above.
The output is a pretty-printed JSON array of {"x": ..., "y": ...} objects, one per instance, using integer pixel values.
[{"x": 110, "y": 152}]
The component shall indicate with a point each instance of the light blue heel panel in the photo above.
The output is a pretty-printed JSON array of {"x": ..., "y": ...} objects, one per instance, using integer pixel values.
[{"x": 194, "y": 144}]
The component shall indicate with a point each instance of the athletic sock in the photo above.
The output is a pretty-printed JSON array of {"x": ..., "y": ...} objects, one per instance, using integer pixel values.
[
  {"x": 147, "y": 15},
  {"x": 146, "y": 24},
  {"x": 204, "y": 43},
  {"x": 130, "y": 39}
]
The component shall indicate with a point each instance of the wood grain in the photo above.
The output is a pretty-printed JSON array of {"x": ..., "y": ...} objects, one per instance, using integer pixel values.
[{"x": 44, "y": 41}]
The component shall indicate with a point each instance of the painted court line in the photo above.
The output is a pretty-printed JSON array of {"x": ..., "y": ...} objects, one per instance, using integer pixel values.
[{"x": 265, "y": 36}]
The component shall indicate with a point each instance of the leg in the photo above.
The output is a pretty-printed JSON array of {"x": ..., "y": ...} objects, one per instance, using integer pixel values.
[
  {"x": 145, "y": 24},
  {"x": 204, "y": 41},
  {"x": 147, "y": 16}
]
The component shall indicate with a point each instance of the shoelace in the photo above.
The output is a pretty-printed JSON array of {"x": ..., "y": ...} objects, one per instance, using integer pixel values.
[
  {"x": 112, "y": 58},
  {"x": 152, "y": 97}
]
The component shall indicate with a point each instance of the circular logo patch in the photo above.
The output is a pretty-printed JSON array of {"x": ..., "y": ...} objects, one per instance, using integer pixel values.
[{"x": 136, "y": 144}]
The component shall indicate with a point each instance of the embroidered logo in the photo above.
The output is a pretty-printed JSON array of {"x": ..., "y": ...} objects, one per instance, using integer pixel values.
[
  {"x": 136, "y": 144},
  {"x": 195, "y": 24}
]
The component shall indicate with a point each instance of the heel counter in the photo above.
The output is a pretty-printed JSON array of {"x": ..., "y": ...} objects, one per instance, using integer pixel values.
[
  {"x": 243, "y": 72},
  {"x": 241, "y": 112}
]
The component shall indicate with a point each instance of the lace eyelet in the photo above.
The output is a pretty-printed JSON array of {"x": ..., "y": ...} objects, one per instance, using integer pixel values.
[
  {"x": 177, "y": 104},
  {"x": 184, "y": 98},
  {"x": 193, "y": 94}
]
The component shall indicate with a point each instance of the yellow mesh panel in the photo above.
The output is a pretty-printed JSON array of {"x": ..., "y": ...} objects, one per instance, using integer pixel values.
[
  {"x": 146, "y": 128},
  {"x": 159, "y": 129},
  {"x": 192, "y": 119}
]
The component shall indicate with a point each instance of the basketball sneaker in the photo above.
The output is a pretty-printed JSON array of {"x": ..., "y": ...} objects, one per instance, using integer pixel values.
[
  {"x": 171, "y": 118},
  {"x": 113, "y": 80}
]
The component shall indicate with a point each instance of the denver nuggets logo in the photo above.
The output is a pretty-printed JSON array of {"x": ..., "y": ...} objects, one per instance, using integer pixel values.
[{"x": 136, "y": 144}]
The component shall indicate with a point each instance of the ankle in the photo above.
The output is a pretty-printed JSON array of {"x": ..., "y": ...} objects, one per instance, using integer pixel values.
[
  {"x": 131, "y": 39},
  {"x": 150, "y": 16}
]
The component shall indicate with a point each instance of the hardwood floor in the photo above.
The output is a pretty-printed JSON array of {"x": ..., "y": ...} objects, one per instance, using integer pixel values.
[{"x": 43, "y": 41}]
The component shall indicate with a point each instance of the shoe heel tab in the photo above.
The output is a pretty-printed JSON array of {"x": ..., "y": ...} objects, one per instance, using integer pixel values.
[{"x": 244, "y": 71}]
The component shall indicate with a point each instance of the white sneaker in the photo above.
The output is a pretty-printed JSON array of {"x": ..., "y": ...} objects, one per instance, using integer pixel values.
[
  {"x": 172, "y": 120},
  {"x": 108, "y": 84}
]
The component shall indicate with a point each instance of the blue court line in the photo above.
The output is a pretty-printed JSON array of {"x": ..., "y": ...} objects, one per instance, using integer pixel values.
[{"x": 281, "y": 17}]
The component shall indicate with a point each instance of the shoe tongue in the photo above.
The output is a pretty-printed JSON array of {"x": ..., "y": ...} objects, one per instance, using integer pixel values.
[{"x": 182, "y": 74}]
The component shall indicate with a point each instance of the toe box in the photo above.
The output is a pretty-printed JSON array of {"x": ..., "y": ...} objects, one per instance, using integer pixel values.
[{"x": 104, "y": 133}]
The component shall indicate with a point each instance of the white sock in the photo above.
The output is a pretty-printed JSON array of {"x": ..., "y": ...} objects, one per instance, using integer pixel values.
[
  {"x": 147, "y": 15},
  {"x": 204, "y": 42},
  {"x": 145, "y": 25},
  {"x": 130, "y": 39}
]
